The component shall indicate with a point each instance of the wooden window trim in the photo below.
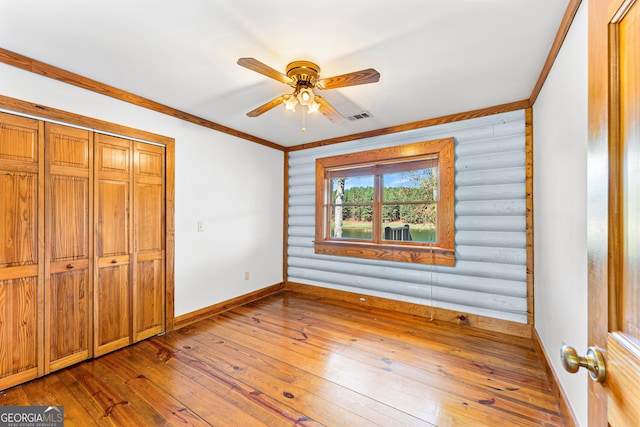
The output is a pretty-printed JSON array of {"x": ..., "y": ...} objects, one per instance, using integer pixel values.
[{"x": 441, "y": 253}]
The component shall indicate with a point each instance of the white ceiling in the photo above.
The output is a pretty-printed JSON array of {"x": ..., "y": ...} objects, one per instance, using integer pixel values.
[{"x": 435, "y": 57}]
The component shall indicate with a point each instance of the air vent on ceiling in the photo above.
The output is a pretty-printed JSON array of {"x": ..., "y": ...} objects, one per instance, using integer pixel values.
[{"x": 360, "y": 116}]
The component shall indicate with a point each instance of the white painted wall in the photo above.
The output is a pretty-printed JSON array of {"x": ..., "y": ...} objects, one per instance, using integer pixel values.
[
  {"x": 234, "y": 186},
  {"x": 560, "y": 209}
]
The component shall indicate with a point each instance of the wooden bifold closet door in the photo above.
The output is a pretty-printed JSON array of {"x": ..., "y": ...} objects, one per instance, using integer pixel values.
[
  {"x": 21, "y": 249},
  {"x": 68, "y": 158},
  {"x": 113, "y": 200},
  {"x": 82, "y": 249},
  {"x": 148, "y": 241},
  {"x": 129, "y": 282}
]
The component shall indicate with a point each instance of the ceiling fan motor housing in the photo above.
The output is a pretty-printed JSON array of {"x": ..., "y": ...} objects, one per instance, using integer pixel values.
[{"x": 303, "y": 73}]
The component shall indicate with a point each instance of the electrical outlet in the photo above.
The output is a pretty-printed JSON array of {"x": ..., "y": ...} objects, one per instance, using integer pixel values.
[{"x": 246, "y": 275}]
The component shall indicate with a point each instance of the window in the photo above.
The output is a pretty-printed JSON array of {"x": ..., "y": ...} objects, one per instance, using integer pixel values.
[{"x": 394, "y": 203}]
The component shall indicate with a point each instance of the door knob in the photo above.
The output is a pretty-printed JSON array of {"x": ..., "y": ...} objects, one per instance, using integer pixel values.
[{"x": 594, "y": 362}]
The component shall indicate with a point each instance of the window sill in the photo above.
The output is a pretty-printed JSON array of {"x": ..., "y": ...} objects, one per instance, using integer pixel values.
[{"x": 389, "y": 252}]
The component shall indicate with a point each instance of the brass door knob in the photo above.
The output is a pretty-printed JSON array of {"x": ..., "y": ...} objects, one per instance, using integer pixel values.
[{"x": 594, "y": 362}]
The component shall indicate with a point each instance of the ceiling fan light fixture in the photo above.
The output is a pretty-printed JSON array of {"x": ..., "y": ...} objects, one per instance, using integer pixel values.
[
  {"x": 290, "y": 102},
  {"x": 313, "y": 106},
  {"x": 305, "y": 96},
  {"x": 308, "y": 99}
]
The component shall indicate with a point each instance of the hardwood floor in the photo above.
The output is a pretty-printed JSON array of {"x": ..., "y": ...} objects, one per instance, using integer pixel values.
[{"x": 290, "y": 359}]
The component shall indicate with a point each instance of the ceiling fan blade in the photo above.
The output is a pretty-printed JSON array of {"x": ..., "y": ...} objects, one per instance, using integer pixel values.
[
  {"x": 328, "y": 111},
  {"x": 350, "y": 79},
  {"x": 264, "y": 69},
  {"x": 266, "y": 107}
]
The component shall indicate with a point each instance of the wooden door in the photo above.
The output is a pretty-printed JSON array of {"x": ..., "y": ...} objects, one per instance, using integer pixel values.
[
  {"x": 21, "y": 250},
  {"x": 113, "y": 200},
  {"x": 614, "y": 208},
  {"x": 149, "y": 231},
  {"x": 69, "y": 228}
]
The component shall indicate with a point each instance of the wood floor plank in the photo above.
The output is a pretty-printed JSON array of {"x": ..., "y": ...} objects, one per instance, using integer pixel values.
[
  {"x": 292, "y": 359},
  {"x": 403, "y": 340},
  {"x": 172, "y": 411},
  {"x": 80, "y": 395},
  {"x": 120, "y": 394},
  {"x": 255, "y": 374},
  {"x": 391, "y": 317},
  {"x": 216, "y": 399},
  {"x": 51, "y": 391},
  {"x": 503, "y": 364},
  {"x": 15, "y": 396},
  {"x": 414, "y": 366},
  {"x": 298, "y": 383},
  {"x": 435, "y": 386},
  {"x": 473, "y": 356},
  {"x": 108, "y": 397},
  {"x": 521, "y": 351}
]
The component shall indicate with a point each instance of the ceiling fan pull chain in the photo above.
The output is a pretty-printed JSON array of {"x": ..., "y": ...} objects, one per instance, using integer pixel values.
[{"x": 303, "y": 118}]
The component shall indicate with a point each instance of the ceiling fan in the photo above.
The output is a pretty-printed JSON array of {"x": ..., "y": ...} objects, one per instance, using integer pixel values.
[{"x": 303, "y": 77}]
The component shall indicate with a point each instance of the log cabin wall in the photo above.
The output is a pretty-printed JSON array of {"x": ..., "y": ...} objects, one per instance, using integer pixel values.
[{"x": 489, "y": 278}]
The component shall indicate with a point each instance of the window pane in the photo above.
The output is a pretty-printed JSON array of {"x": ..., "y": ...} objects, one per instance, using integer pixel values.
[
  {"x": 419, "y": 185},
  {"x": 352, "y": 207},
  {"x": 355, "y": 223},
  {"x": 353, "y": 189},
  {"x": 409, "y": 222}
]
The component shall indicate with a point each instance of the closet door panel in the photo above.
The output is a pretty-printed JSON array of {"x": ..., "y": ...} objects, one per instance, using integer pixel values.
[
  {"x": 149, "y": 295},
  {"x": 112, "y": 311},
  {"x": 68, "y": 285},
  {"x": 67, "y": 269},
  {"x": 149, "y": 224},
  {"x": 18, "y": 273},
  {"x": 18, "y": 218},
  {"x": 113, "y": 157},
  {"x": 112, "y": 288},
  {"x": 69, "y": 318},
  {"x": 18, "y": 330},
  {"x": 148, "y": 289},
  {"x": 68, "y": 147},
  {"x": 21, "y": 250},
  {"x": 19, "y": 139},
  {"x": 149, "y": 162},
  {"x": 69, "y": 208},
  {"x": 113, "y": 218}
]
